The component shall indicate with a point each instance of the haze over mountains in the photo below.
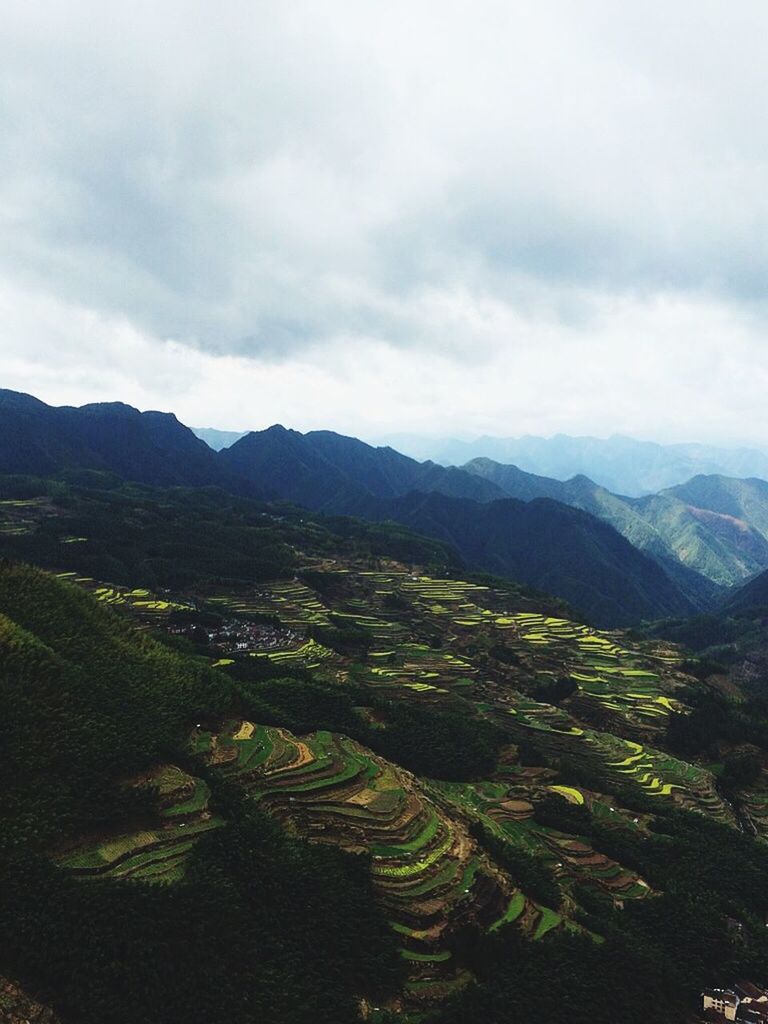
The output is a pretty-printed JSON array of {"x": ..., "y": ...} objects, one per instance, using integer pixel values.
[
  {"x": 621, "y": 464},
  {"x": 617, "y": 559}
]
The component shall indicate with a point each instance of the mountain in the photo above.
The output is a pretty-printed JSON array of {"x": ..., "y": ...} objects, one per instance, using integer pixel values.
[
  {"x": 328, "y": 471},
  {"x": 150, "y": 447},
  {"x": 752, "y": 597},
  {"x": 551, "y": 546},
  {"x": 573, "y": 557},
  {"x": 218, "y": 439},
  {"x": 740, "y": 501},
  {"x": 351, "y": 782},
  {"x": 702, "y": 549},
  {"x": 609, "y": 581},
  {"x": 621, "y": 464}
]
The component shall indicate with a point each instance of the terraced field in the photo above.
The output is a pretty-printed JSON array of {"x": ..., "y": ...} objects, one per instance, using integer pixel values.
[
  {"x": 20, "y": 516},
  {"x": 429, "y": 874},
  {"x": 506, "y": 809},
  {"x": 432, "y": 640},
  {"x": 136, "y": 599},
  {"x": 157, "y": 854},
  {"x": 620, "y": 761},
  {"x": 631, "y": 687},
  {"x": 452, "y": 599},
  {"x": 629, "y": 692},
  {"x": 309, "y": 654}
]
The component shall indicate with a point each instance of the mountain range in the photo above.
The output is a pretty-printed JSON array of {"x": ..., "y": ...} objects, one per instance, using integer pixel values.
[
  {"x": 616, "y": 559},
  {"x": 150, "y": 447},
  {"x": 715, "y": 527},
  {"x": 621, "y": 464}
]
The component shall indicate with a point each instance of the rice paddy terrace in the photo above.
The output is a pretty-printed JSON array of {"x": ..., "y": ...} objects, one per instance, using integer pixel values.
[
  {"x": 151, "y": 854},
  {"x": 428, "y": 872},
  {"x": 433, "y": 640},
  {"x": 449, "y": 644},
  {"x": 19, "y": 516},
  {"x": 507, "y": 811},
  {"x": 135, "y": 599},
  {"x": 617, "y": 685}
]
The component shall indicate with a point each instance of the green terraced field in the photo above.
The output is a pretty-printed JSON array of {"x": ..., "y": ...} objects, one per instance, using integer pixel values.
[
  {"x": 428, "y": 872},
  {"x": 611, "y": 678},
  {"x": 424, "y": 863},
  {"x": 137, "y": 599},
  {"x": 152, "y": 855}
]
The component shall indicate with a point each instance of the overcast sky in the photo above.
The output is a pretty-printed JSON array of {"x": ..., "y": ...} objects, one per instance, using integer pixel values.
[{"x": 429, "y": 216}]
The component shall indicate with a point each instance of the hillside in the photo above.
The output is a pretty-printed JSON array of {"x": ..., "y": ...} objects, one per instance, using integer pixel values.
[
  {"x": 698, "y": 550},
  {"x": 151, "y": 447},
  {"x": 574, "y": 557},
  {"x": 738, "y": 501},
  {"x": 330, "y": 472},
  {"x": 701, "y": 548},
  {"x": 351, "y": 784},
  {"x": 751, "y": 598},
  {"x": 555, "y": 548},
  {"x": 168, "y": 537}
]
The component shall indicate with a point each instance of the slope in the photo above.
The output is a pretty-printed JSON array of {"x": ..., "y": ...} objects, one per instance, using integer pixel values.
[
  {"x": 688, "y": 542},
  {"x": 500, "y": 779},
  {"x": 328, "y": 471},
  {"x": 573, "y": 557},
  {"x": 559, "y": 549},
  {"x": 152, "y": 447}
]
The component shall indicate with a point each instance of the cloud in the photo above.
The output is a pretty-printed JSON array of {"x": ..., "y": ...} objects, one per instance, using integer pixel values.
[{"x": 516, "y": 217}]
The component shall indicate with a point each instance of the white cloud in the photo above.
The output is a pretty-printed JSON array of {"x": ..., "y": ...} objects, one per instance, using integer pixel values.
[{"x": 446, "y": 217}]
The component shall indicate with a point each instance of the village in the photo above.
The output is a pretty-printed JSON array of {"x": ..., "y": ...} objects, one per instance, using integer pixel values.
[{"x": 237, "y": 636}]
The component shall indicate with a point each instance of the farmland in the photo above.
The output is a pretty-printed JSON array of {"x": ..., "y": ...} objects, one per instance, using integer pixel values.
[
  {"x": 440, "y": 851},
  {"x": 454, "y": 759}
]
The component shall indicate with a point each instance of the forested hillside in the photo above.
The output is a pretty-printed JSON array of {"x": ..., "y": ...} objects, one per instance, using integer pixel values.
[
  {"x": 708, "y": 534},
  {"x": 346, "y": 777},
  {"x": 338, "y": 475}
]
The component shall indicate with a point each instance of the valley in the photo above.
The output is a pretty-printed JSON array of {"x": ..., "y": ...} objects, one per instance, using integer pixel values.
[{"x": 397, "y": 772}]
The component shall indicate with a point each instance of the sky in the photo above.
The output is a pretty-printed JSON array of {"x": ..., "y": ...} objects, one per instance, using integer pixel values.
[{"x": 437, "y": 217}]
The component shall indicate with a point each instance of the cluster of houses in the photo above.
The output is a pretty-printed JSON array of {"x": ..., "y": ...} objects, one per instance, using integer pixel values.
[
  {"x": 235, "y": 635},
  {"x": 745, "y": 1002}
]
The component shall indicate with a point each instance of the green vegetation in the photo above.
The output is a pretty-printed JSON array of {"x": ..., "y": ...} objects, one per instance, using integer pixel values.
[
  {"x": 405, "y": 786},
  {"x": 87, "y": 703}
]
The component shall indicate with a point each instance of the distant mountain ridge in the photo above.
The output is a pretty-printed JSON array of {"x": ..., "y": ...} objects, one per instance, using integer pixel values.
[
  {"x": 685, "y": 543},
  {"x": 218, "y": 439},
  {"x": 548, "y": 545},
  {"x": 712, "y": 527},
  {"x": 621, "y": 464}
]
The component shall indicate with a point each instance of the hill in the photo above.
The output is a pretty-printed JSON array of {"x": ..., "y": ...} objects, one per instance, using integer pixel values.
[
  {"x": 574, "y": 557},
  {"x": 151, "y": 447},
  {"x": 330, "y": 472},
  {"x": 702, "y": 549},
  {"x": 749, "y": 599},
  {"x": 333, "y": 474},
  {"x": 740, "y": 502},
  {"x": 551, "y": 546},
  {"x": 352, "y": 784}
]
